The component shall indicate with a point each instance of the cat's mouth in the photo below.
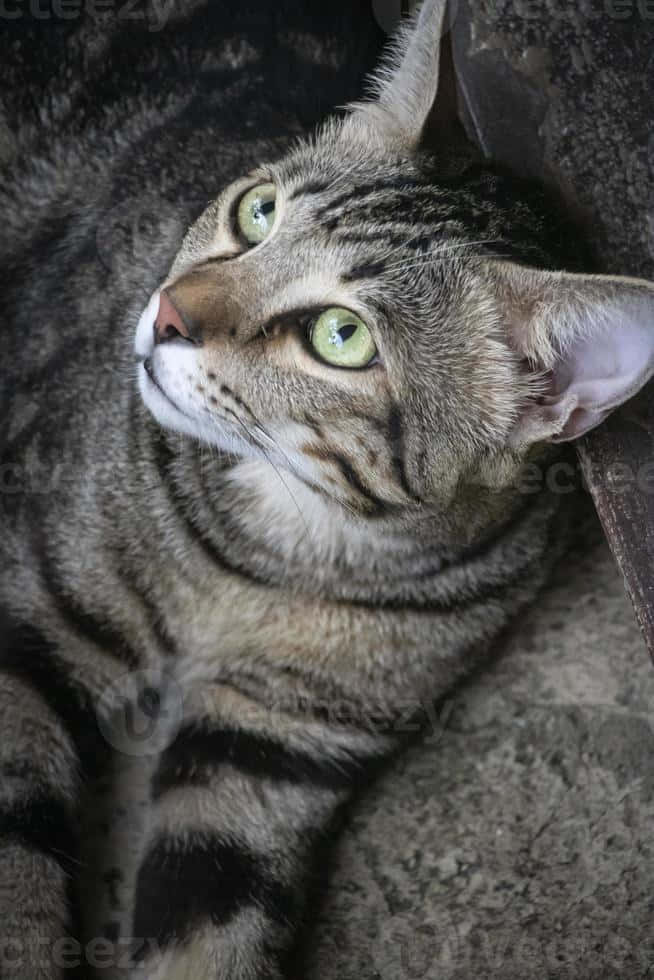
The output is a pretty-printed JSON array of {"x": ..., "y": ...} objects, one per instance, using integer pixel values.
[
  {"x": 215, "y": 429},
  {"x": 149, "y": 371},
  {"x": 166, "y": 408},
  {"x": 154, "y": 377}
]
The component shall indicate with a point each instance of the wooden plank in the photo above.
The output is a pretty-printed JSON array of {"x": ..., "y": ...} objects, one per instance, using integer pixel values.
[
  {"x": 562, "y": 92},
  {"x": 618, "y": 466}
]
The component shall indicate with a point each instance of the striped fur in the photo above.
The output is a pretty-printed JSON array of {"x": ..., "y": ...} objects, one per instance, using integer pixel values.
[{"x": 215, "y": 628}]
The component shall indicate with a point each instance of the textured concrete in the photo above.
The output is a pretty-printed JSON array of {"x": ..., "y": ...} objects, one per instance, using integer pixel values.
[{"x": 518, "y": 840}]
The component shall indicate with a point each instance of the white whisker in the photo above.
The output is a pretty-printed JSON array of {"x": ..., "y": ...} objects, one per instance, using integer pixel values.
[
  {"x": 277, "y": 471},
  {"x": 437, "y": 255}
]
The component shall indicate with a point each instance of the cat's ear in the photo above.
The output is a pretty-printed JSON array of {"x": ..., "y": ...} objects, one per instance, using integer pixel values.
[
  {"x": 403, "y": 88},
  {"x": 590, "y": 339}
]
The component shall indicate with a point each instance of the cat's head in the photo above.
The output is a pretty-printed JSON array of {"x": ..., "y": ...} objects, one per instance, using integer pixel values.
[{"x": 378, "y": 331}]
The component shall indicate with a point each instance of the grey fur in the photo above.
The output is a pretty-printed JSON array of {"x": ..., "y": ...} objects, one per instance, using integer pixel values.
[{"x": 354, "y": 547}]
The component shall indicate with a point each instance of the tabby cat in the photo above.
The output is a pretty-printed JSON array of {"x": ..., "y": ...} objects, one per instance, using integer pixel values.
[{"x": 233, "y": 565}]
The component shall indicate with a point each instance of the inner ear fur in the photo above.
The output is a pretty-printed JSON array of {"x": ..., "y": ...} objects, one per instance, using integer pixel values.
[{"x": 587, "y": 339}]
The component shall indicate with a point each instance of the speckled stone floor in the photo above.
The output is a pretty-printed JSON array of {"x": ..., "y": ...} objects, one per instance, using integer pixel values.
[{"x": 517, "y": 841}]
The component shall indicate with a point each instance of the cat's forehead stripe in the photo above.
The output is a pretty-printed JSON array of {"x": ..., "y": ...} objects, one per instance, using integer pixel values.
[
  {"x": 310, "y": 187},
  {"x": 411, "y": 206},
  {"x": 366, "y": 270},
  {"x": 359, "y": 192}
]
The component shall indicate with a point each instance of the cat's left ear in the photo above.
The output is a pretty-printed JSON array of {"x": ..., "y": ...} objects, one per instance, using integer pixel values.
[
  {"x": 590, "y": 338},
  {"x": 404, "y": 86}
]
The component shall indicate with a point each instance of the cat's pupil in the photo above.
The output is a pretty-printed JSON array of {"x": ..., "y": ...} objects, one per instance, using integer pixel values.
[
  {"x": 346, "y": 332},
  {"x": 263, "y": 210}
]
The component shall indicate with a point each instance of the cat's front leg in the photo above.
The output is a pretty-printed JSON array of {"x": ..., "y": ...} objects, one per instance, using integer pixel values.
[{"x": 241, "y": 804}]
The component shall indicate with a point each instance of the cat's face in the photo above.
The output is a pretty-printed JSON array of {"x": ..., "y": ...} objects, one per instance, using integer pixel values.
[
  {"x": 358, "y": 343},
  {"x": 350, "y": 317}
]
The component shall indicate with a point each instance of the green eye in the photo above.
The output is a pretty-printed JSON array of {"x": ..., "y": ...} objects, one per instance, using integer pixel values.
[
  {"x": 341, "y": 338},
  {"x": 256, "y": 213}
]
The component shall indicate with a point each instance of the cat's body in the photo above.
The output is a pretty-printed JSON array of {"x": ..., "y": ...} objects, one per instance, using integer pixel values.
[{"x": 280, "y": 599}]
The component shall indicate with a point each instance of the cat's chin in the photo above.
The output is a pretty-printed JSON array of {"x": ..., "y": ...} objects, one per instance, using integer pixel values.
[{"x": 170, "y": 416}]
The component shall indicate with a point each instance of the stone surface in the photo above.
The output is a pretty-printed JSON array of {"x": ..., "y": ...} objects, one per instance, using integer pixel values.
[{"x": 517, "y": 840}]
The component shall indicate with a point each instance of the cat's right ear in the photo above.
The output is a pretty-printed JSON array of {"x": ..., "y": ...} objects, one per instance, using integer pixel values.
[
  {"x": 587, "y": 341},
  {"x": 404, "y": 87}
]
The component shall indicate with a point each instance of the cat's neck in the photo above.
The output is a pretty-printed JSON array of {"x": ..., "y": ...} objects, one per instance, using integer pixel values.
[{"x": 265, "y": 522}]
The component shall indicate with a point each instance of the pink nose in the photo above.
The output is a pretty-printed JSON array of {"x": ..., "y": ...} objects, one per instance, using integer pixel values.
[{"x": 169, "y": 323}]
